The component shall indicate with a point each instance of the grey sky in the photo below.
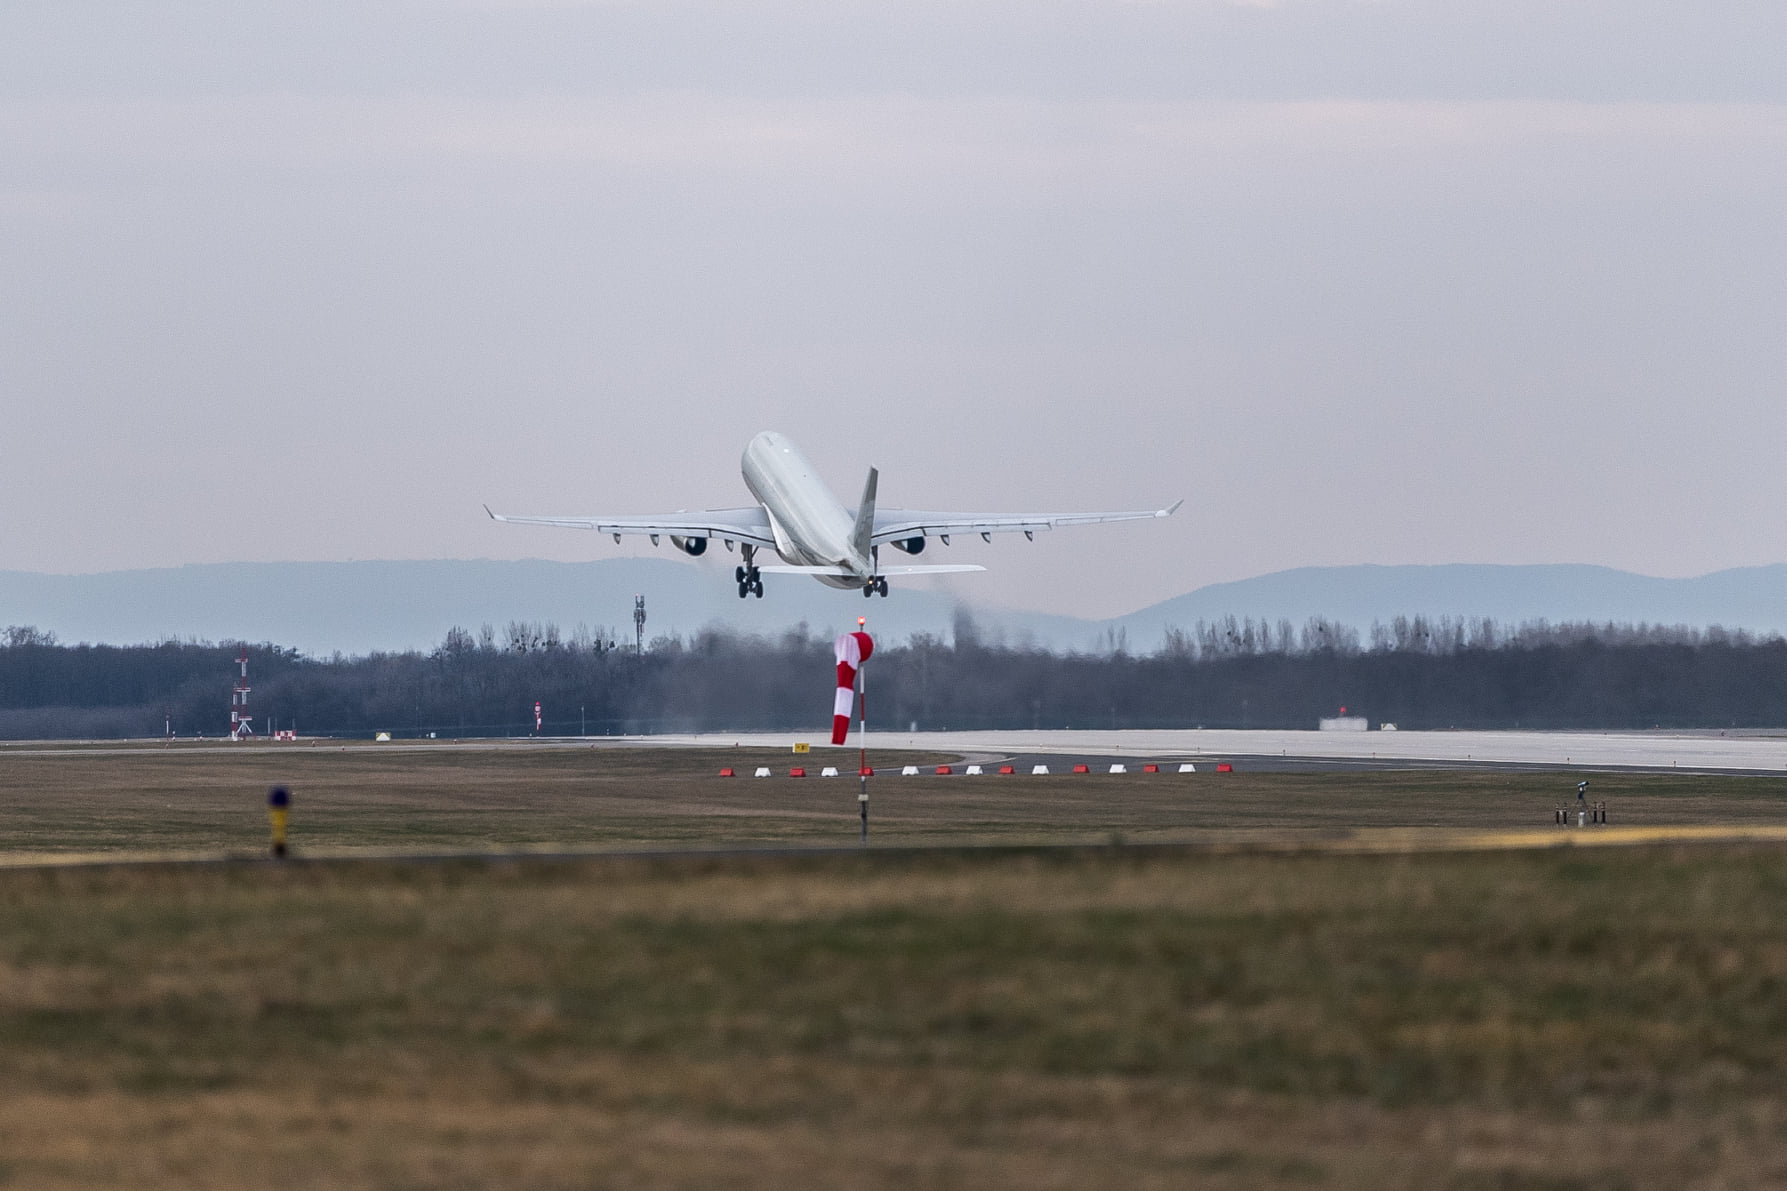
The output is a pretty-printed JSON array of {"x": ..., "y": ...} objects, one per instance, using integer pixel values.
[{"x": 1365, "y": 282}]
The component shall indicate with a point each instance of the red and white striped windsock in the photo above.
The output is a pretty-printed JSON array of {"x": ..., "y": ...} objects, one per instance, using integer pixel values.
[{"x": 852, "y": 650}]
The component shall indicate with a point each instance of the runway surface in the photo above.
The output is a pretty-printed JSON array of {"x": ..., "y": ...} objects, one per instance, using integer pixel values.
[
  {"x": 1706, "y": 751},
  {"x": 1709, "y": 752}
]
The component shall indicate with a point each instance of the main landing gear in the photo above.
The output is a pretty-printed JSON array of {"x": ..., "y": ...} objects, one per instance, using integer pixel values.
[
  {"x": 879, "y": 582},
  {"x": 750, "y": 579}
]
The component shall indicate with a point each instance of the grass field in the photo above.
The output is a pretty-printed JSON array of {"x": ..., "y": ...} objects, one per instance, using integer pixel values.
[
  {"x": 362, "y": 797},
  {"x": 1103, "y": 1016}
]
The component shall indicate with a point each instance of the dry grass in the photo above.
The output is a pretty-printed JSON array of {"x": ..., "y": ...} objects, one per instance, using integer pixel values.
[
  {"x": 1527, "y": 1020},
  {"x": 1096, "y": 1018},
  {"x": 363, "y": 797}
]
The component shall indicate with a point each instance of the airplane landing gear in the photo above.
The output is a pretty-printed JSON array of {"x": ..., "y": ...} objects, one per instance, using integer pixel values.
[
  {"x": 748, "y": 577},
  {"x": 877, "y": 585}
]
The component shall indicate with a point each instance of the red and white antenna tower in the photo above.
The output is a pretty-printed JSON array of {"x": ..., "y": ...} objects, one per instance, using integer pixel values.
[{"x": 239, "y": 716}]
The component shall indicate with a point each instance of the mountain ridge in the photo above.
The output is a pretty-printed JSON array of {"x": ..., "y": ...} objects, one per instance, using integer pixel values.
[{"x": 361, "y": 607}]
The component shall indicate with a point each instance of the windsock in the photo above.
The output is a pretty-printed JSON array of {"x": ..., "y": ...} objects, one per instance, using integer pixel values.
[{"x": 852, "y": 650}]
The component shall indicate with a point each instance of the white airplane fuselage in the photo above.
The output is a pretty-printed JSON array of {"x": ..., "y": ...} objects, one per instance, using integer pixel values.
[{"x": 812, "y": 527}]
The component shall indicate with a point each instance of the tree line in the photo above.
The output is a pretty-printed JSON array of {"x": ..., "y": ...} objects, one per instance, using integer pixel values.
[{"x": 1416, "y": 672}]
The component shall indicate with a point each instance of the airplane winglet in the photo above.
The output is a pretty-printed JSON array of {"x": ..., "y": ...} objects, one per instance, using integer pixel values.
[
  {"x": 1170, "y": 509},
  {"x": 493, "y": 516}
]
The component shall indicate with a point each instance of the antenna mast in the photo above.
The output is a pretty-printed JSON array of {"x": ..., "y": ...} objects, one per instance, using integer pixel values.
[{"x": 239, "y": 717}]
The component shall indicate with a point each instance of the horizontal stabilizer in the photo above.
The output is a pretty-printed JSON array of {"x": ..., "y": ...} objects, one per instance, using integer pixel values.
[
  {"x": 841, "y": 573},
  {"x": 785, "y": 569}
]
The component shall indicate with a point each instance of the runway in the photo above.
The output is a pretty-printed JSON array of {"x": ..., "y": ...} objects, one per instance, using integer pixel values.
[
  {"x": 1694, "y": 752},
  {"x": 1736, "y": 751}
]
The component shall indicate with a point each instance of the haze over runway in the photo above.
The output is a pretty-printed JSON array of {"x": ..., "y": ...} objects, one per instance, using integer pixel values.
[{"x": 1403, "y": 282}]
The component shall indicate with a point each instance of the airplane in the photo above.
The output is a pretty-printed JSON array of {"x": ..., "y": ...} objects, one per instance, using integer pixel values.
[{"x": 798, "y": 518}]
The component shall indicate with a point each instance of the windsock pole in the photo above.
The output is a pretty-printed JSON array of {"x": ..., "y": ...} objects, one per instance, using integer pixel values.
[
  {"x": 851, "y": 698},
  {"x": 862, "y": 736}
]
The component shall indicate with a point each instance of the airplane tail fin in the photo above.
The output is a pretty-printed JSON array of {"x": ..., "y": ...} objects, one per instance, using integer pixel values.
[{"x": 865, "y": 517}]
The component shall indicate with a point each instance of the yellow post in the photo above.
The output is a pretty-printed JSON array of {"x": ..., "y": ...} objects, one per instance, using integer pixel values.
[{"x": 278, "y": 805}]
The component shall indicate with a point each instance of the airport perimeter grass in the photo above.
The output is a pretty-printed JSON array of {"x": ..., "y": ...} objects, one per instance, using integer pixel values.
[
  {"x": 106, "y": 801},
  {"x": 1545, "y": 1019},
  {"x": 1520, "y": 1021}
]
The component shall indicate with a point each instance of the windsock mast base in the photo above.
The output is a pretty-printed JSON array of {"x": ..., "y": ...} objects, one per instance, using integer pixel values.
[{"x": 862, "y": 726}]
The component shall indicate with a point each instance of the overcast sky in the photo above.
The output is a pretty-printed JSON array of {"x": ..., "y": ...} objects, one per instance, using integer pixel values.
[{"x": 1397, "y": 282}]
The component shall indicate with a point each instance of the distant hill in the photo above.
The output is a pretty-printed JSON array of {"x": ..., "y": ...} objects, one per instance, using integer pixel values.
[
  {"x": 358, "y": 607},
  {"x": 1753, "y": 598}
]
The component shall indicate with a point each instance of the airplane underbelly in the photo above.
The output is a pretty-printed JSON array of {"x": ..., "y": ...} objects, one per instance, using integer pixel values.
[{"x": 810, "y": 527}]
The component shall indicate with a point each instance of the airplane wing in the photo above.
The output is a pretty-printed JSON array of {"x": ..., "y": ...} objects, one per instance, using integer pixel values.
[
  {"x": 748, "y": 525},
  {"x": 895, "y": 524}
]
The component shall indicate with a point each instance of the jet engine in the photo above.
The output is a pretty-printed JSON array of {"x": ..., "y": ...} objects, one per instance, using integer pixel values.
[
  {"x": 690, "y": 546},
  {"x": 910, "y": 545}
]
